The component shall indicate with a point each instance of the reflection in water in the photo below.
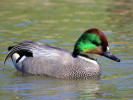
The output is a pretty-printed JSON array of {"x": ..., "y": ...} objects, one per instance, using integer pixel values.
[{"x": 51, "y": 88}]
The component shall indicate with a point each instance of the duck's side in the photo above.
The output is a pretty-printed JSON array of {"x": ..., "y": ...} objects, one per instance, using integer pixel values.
[{"x": 52, "y": 61}]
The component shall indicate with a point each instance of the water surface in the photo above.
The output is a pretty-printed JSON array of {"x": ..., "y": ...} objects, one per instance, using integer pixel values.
[{"x": 60, "y": 23}]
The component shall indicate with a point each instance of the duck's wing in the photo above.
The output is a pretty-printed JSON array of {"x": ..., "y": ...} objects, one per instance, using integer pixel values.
[
  {"x": 44, "y": 50},
  {"x": 30, "y": 48}
]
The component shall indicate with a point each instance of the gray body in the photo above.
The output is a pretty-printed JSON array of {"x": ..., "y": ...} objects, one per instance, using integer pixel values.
[{"x": 54, "y": 61}]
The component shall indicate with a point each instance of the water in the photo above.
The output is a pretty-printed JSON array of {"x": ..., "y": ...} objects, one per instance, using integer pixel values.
[{"x": 60, "y": 23}]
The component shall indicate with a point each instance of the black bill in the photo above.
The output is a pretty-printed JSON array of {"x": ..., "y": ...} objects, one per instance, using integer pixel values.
[{"x": 109, "y": 55}]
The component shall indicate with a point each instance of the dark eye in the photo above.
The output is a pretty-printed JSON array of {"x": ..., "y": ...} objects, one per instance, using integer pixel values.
[{"x": 95, "y": 43}]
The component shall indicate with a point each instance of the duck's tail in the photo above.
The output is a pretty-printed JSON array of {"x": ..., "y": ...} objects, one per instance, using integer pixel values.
[{"x": 23, "y": 48}]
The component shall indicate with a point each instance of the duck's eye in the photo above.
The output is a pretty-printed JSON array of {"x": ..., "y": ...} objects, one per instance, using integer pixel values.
[{"x": 97, "y": 44}]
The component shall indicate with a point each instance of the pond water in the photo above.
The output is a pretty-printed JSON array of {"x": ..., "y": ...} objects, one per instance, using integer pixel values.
[{"x": 60, "y": 23}]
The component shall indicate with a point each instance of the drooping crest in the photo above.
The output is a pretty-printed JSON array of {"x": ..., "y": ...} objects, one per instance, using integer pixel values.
[
  {"x": 103, "y": 38},
  {"x": 92, "y": 41}
]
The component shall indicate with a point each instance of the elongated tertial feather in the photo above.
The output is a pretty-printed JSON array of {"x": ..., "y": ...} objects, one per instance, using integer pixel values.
[{"x": 23, "y": 47}]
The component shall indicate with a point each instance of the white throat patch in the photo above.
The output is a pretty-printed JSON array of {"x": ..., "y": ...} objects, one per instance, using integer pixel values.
[{"x": 89, "y": 60}]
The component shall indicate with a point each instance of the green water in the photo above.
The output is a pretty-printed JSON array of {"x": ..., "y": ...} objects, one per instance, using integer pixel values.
[{"x": 60, "y": 23}]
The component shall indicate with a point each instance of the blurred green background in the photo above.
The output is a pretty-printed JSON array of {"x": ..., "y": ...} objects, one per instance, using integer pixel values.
[{"x": 60, "y": 23}]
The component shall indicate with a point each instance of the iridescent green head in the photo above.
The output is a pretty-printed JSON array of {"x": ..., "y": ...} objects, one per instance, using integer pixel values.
[{"x": 92, "y": 41}]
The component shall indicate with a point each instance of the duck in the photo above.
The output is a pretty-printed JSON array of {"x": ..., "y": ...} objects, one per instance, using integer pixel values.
[{"x": 31, "y": 57}]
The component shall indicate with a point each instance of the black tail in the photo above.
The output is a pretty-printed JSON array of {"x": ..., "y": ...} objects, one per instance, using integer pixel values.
[{"x": 22, "y": 48}]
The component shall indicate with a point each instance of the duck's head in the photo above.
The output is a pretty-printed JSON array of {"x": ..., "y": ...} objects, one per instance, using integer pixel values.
[{"x": 93, "y": 41}]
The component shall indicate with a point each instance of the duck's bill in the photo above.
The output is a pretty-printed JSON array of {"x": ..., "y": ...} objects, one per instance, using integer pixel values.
[{"x": 109, "y": 55}]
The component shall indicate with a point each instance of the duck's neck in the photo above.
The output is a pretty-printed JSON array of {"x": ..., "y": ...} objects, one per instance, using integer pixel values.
[{"x": 75, "y": 54}]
